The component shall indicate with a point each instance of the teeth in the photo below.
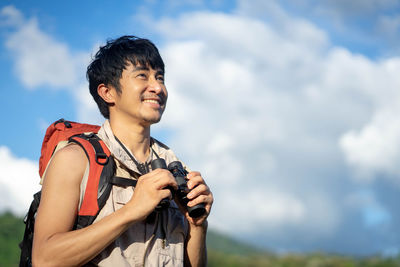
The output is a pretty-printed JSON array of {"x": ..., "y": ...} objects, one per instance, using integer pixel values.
[{"x": 151, "y": 101}]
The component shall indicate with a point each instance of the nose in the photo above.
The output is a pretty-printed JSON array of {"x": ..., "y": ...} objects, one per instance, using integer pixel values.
[{"x": 155, "y": 86}]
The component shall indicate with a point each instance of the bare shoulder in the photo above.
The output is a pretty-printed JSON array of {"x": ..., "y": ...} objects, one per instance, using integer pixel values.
[
  {"x": 69, "y": 161},
  {"x": 71, "y": 152}
]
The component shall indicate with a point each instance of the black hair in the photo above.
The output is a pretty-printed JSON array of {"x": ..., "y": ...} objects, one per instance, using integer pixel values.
[{"x": 112, "y": 58}]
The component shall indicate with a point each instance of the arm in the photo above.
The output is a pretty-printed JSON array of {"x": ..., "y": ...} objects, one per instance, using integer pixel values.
[
  {"x": 195, "y": 249},
  {"x": 55, "y": 243}
]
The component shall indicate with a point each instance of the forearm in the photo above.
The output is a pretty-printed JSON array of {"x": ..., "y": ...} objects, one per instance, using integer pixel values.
[
  {"x": 196, "y": 250},
  {"x": 75, "y": 248}
]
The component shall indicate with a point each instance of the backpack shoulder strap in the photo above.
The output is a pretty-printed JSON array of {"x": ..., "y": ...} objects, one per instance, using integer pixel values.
[
  {"x": 101, "y": 171},
  {"x": 26, "y": 244}
]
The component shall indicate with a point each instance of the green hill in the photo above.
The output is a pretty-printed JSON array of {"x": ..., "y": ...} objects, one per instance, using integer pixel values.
[
  {"x": 226, "y": 251},
  {"x": 225, "y": 244},
  {"x": 11, "y": 233},
  {"x": 222, "y": 251}
]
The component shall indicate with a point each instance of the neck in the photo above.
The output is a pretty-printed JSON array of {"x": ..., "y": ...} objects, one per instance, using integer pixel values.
[{"x": 135, "y": 137}]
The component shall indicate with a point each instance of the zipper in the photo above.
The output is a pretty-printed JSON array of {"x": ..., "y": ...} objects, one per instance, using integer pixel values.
[
  {"x": 159, "y": 220},
  {"x": 163, "y": 235}
]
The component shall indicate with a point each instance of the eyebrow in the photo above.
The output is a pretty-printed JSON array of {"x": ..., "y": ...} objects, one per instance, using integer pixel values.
[
  {"x": 160, "y": 72},
  {"x": 140, "y": 68}
]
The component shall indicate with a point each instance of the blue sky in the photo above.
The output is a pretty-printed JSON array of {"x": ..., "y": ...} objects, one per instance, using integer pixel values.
[{"x": 288, "y": 108}]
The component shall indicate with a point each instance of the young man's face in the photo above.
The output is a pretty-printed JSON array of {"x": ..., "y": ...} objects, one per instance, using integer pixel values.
[{"x": 143, "y": 95}]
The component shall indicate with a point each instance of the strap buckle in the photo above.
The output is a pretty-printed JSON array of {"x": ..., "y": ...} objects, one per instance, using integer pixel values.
[{"x": 101, "y": 158}]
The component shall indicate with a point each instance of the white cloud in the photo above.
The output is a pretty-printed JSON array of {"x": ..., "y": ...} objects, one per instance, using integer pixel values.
[
  {"x": 10, "y": 16},
  {"x": 19, "y": 180},
  {"x": 372, "y": 147},
  {"x": 363, "y": 25},
  {"x": 375, "y": 148},
  {"x": 40, "y": 60},
  {"x": 242, "y": 108},
  {"x": 268, "y": 209},
  {"x": 260, "y": 109}
]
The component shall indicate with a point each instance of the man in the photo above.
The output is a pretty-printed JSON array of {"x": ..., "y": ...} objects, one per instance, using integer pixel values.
[{"x": 126, "y": 79}]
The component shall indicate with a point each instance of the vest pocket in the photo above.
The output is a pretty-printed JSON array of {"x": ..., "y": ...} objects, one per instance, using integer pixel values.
[{"x": 121, "y": 196}]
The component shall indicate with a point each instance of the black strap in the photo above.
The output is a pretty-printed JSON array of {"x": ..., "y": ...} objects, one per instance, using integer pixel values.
[
  {"x": 121, "y": 181},
  {"x": 100, "y": 157},
  {"x": 143, "y": 168},
  {"x": 26, "y": 244},
  {"x": 151, "y": 147}
]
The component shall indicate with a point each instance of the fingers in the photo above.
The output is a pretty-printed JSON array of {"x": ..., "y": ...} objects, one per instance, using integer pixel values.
[
  {"x": 197, "y": 185},
  {"x": 194, "y": 179},
  {"x": 206, "y": 199},
  {"x": 160, "y": 179},
  {"x": 165, "y": 193},
  {"x": 199, "y": 191}
]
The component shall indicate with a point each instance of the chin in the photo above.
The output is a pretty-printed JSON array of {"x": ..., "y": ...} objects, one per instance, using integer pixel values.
[{"x": 152, "y": 120}]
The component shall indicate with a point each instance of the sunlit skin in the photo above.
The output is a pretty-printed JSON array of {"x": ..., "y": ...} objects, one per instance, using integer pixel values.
[
  {"x": 140, "y": 103},
  {"x": 144, "y": 95}
]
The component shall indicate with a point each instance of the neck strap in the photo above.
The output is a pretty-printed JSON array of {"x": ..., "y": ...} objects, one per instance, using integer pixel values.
[{"x": 142, "y": 167}]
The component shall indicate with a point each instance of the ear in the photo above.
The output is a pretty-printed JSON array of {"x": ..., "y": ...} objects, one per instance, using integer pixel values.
[{"x": 107, "y": 93}]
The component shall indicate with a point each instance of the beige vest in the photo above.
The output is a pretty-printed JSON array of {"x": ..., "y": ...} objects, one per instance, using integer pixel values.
[{"x": 157, "y": 241}]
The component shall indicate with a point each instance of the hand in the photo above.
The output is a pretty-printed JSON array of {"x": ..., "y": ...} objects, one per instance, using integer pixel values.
[
  {"x": 150, "y": 189},
  {"x": 199, "y": 193}
]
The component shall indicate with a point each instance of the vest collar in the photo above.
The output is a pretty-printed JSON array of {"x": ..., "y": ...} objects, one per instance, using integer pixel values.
[{"x": 107, "y": 135}]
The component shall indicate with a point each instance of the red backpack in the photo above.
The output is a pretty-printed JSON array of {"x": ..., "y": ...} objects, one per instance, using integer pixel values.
[{"x": 100, "y": 179}]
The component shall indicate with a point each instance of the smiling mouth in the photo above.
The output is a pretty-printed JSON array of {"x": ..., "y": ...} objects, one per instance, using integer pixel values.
[
  {"x": 151, "y": 101},
  {"x": 158, "y": 100}
]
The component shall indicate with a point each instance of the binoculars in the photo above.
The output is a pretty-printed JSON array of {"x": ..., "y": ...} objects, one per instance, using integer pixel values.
[{"x": 179, "y": 173}]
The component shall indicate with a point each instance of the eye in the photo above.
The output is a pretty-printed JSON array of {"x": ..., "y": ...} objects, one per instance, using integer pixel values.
[
  {"x": 141, "y": 75},
  {"x": 160, "y": 78}
]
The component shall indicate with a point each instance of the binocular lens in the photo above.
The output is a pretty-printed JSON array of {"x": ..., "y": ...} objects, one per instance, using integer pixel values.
[{"x": 179, "y": 173}]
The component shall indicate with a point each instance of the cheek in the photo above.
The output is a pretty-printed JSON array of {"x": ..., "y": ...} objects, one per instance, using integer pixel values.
[{"x": 166, "y": 94}]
